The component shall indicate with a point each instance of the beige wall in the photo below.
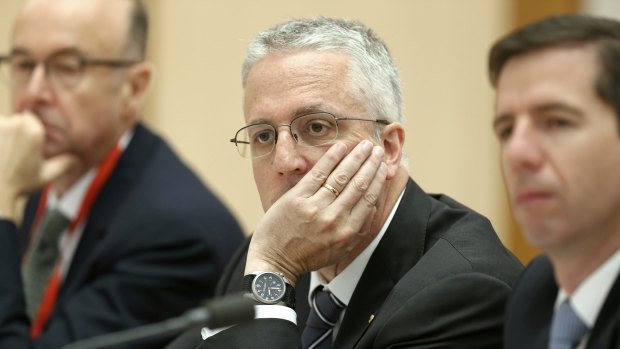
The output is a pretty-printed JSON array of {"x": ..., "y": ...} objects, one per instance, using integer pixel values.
[
  {"x": 440, "y": 47},
  {"x": 8, "y": 8}
]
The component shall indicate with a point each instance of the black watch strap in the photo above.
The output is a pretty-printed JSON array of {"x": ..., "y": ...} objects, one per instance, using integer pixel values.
[{"x": 289, "y": 293}]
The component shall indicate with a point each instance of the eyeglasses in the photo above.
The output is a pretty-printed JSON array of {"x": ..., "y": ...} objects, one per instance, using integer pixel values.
[
  {"x": 316, "y": 129},
  {"x": 64, "y": 69}
]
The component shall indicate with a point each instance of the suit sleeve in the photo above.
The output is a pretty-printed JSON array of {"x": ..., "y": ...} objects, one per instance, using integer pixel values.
[
  {"x": 14, "y": 322},
  {"x": 262, "y": 333},
  {"x": 462, "y": 311},
  {"x": 135, "y": 279}
]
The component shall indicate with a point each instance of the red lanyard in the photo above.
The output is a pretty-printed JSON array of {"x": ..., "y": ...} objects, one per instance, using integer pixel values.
[{"x": 53, "y": 285}]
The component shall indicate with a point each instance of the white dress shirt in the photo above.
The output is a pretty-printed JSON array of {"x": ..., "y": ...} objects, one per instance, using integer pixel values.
[{"x": 588, "y": 298}]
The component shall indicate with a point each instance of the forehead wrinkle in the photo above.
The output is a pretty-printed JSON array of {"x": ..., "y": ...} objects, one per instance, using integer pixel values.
[{"x": 293, "y": 84}]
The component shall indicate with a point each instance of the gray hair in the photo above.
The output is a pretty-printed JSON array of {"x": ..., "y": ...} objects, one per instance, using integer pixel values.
[{"x": 372, "y": 71}]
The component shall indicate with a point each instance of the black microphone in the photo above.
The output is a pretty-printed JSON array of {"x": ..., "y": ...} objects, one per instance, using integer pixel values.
[{"x": 219, "y": 312}]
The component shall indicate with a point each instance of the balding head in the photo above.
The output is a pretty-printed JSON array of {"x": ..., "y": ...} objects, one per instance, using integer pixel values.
[
  {"x": 96, "y": 21},
  {"x": 93, "y": 82}
]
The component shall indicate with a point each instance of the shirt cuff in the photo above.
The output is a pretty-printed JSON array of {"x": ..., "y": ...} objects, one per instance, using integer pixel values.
[{"x": 260, "y": 312}]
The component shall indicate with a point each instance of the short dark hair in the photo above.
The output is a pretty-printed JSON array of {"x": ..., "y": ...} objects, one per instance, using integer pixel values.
[
  {"x": 138, "y": 28},
  {"x": 567, "y": 30}
]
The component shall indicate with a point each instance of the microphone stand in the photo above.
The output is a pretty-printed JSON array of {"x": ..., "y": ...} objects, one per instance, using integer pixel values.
[{"x": 216, "y": 313}]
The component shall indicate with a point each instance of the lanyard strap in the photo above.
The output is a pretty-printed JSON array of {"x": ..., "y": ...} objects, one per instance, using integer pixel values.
[{"x": 53, "y": 285}]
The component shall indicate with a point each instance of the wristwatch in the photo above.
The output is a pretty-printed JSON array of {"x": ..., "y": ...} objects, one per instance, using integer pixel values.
[{"x": 268, "y": 287}]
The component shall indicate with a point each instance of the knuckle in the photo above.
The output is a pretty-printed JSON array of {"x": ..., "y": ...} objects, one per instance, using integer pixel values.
[
  {"x": 342, "y": 243},
  {"x": 370, "y": 198},
  {"x": 328, "y": 221},
  {"x": 297, "y": 204},
  {"x": 332, "y": 157},
  {"x": 318, "y": 176},
  {"x": 310, "y": 212},
  {"x": 360, "y": 184},
  {"x": 341, "y": 179},
  {"x": 348, "y": 230},
  {"x": 359, "y": 156}
]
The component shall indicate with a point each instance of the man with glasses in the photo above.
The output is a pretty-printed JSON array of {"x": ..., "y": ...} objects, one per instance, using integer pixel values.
[
  {"x": 117, "y": 232},
  {"x": 350, "y": 253}
]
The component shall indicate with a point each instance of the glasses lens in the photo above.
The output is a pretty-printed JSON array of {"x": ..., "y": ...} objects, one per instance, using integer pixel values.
[
  {"x": 255, "y": 140},
  {"x": 17, "y": 69},
  {"x": 315, "y": 129},
  {"x": 65, "y": 69}
]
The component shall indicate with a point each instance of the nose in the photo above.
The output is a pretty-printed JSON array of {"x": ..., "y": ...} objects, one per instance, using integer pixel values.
[
  {"x": 37, "y": 89},
  {"x": 286, "y": 157},
  {"x": 523, "y": 150}
]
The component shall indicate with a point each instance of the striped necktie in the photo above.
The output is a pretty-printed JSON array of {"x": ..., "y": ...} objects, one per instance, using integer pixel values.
[
  {"x": 567, "y": 329},
  {"x": 326, "y": 309},
  {"x": 41, "y": 258}
]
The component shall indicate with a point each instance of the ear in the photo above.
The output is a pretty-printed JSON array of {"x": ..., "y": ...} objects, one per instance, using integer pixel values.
[
  {"x": 393, "y": 137},
  {"x": 135, "y": 88}
]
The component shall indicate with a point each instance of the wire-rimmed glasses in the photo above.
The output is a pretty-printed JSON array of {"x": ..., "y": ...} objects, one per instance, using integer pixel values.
[
  {"x": 65, "y": 69},
  {"x": 315, "y": 129}
]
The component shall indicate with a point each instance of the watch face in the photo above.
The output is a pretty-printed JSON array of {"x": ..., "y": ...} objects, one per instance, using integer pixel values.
[{"x": 269, "y": 287}]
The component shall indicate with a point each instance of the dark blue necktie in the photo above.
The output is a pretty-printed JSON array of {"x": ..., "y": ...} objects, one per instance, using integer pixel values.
[
  {"x": 326, "y": 309},
  {"x": 567, "y": 329}
]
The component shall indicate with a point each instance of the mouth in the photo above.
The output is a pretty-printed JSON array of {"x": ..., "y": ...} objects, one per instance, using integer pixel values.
[{"x": 532, "y": 197}]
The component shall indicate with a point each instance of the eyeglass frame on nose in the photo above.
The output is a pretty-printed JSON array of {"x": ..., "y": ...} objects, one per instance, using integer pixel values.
[
  {"x": 52, "y": 72},
  {"x": 294, "y": 136}
]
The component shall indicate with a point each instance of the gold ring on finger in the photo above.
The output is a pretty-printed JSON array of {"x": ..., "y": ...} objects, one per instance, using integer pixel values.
[{"x": 331, "y": 189}]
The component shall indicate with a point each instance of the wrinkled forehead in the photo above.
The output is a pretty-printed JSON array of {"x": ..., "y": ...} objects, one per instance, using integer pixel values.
[
  {"x": 96, "y": 27},
  {"x": 289, "y": 84}
]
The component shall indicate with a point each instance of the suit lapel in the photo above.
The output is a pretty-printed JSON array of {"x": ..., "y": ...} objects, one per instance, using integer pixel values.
[
  {"x": 110, "y": 201},
  {"x": 30, "y": 212},
  {"x": 542, "y": 303},
  {"x": 533, "y": 307},
  {"x": 302, "y": 308},
  {"x": 401, "y": 247}
]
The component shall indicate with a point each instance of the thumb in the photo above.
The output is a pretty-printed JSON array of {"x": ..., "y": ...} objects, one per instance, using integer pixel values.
[{"x": 56, "y": 166}]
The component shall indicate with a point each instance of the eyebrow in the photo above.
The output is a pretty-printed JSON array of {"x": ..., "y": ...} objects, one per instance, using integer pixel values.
[
  {"x": 547, "y": 107},
  {"x": 304, "y": 110},
  {"x": 68, "y": 50},
  {"x": 309, "y": 109},
  {"x": 559, "y": 107}
]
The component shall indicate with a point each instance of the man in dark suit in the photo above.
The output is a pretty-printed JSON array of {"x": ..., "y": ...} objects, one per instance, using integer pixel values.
[
  {"x": 403, "y": 268},
  {"x": 557, "y": 119},
  {"x": 119, "y": 232}
]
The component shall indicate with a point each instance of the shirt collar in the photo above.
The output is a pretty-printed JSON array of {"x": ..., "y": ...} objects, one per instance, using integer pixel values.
[
  {"x": 69, "y": 204},
  {"x": 343, "y": 285},
  {"x": 588, "y": 298}
]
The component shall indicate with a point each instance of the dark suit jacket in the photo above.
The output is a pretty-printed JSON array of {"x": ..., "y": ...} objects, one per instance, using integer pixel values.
[
  {"x": 154, "y": 245},
  {"x": 530, "y": 309},
  {"x": 439, "y": 278}
]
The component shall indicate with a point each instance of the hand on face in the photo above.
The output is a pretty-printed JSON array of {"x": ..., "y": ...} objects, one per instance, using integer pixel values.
[
  {"x": 310, "y": 227},
  {"x": 22, "y": 167}
]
